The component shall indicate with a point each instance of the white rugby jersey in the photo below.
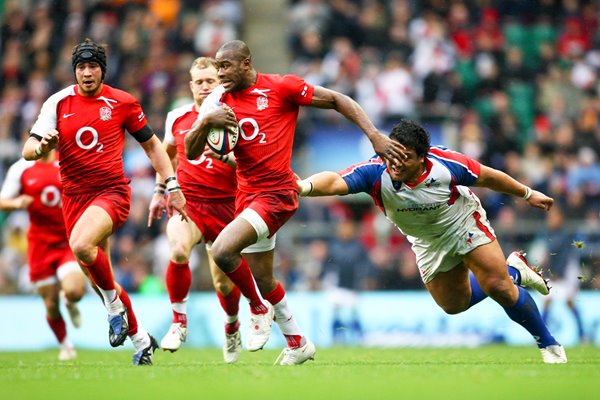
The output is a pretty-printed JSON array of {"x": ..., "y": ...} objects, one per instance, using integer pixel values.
[{"x": 439, "y": 203}]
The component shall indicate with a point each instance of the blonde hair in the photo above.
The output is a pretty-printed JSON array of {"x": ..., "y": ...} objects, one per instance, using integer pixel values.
[{"x": 203, "y": 62}]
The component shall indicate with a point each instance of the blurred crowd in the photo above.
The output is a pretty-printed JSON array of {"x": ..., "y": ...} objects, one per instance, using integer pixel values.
[{"x": 512, "y": 83}]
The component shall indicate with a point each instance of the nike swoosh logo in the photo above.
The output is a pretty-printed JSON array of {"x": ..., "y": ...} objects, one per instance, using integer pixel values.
[
  {"x": 262, "y": 92},
  {"x": 68, "y": 115},
  {"x": 182, "y": 131}
]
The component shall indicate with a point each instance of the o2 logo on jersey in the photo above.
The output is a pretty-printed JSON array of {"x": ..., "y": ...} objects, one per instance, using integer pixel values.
[
  {"x": 50, "y": 196},
  {"x": 255, "y": 130},
  {"x": 90, "y": 136},
  {"x": 201, "y": 159}
]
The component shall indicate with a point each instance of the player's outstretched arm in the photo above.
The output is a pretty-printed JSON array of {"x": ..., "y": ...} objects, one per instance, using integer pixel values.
[
  {"x": 158, "y": 205},
  {"x": 162, "y": 165},
  {"x": 20, "y": 202},
  {"x": 502, "y": 182},
  {"x": 35, "y": 149},
  {"x": 330, "y": 99},
  {"x": 325, "y": 183}
]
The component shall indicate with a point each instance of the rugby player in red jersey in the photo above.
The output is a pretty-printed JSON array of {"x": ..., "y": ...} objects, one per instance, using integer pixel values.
[
  {"x": 265, "y": 107},
  {"x": 35, "y": 186},
  {"x": 89, "y": 121},
  {"x": 209, "y": 187}
]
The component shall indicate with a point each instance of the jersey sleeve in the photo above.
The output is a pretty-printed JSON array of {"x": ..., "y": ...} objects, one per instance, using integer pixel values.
[
  {"x": 11, "y": 187},
  {"x": 170, "y": 120},
  {"x": 464, "y": 170},
  {"x": 362, "y": 177},
  {"x": 46, "y": 120},
  {"x": 135, "y": 119},
  {"x": 297, "y": 90},
  {"x": 214, "y": 98}
]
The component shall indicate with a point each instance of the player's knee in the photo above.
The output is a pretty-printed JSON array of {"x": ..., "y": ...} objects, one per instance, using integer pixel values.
[
  {"x": 454, "y": 308},
  {"x": 82, "y": 250},
  {"x": 179, "y": 253},
  {"x": 75, "y": 293}
]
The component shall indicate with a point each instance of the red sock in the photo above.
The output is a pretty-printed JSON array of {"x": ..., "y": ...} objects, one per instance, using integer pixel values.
[
  {"x": 293, "y": 341},
  {"x": 133, "y": 325},
  {"x": 276, "y": 294},
  {"x": 59, "y": 328},
  {"x": 179, "y": 281},
  {"x": 179, "y": 318},
  {"x": 101, "y": 272},
  {"x": 231, "y": 302},
  {"x": 232, "y": 327},
  {"x": 243, "y": 279}
]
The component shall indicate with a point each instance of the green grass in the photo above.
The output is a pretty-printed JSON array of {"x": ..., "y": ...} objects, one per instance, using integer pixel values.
[{"x": 495, "y": 372}]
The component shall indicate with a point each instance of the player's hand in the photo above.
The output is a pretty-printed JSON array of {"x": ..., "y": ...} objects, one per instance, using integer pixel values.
[
  {"x": 540, "y": 200},
  {"x": 49, "y": 141},
  {"x": 176, "y": 201},
  {"x": 157, "y": 207},
  {"x": 211, "y": 154},
  {"x": 389, "y": 149},
  {"x": 23, "y": 201}
]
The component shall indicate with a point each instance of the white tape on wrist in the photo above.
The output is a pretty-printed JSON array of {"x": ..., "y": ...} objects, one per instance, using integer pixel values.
[{"x": 306, "y": 188}]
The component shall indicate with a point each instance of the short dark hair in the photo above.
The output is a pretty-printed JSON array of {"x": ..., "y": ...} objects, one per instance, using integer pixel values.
[
  {"x": 89, "y": 51},
  {"x": 411, "y": 135},
  {"x": 239, "y": 48}
]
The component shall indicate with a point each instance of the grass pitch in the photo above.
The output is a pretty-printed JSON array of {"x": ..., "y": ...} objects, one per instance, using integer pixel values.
[{"x": 495, "y": 372}]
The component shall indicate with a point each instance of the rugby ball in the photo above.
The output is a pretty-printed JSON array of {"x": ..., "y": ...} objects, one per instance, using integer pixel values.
[{"x": 221, "y": 140}]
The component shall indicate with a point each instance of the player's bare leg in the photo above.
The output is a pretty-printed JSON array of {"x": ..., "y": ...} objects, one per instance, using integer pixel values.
[
  {"x": 299, "y": 347},
  {"x": 457, "y": 290},
  {"x": 226, "y": 251},
  {"x": 50, "y": 295},
  {"x": 72, "y": 284},
  {"x": 89, "y": 242}
]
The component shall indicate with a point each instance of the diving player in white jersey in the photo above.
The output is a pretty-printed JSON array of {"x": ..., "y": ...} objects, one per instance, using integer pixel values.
[{"x": 459, "y": 258}]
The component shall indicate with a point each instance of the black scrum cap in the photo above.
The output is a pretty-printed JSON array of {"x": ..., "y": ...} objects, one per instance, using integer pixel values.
[{"x": 89, "y": 51}]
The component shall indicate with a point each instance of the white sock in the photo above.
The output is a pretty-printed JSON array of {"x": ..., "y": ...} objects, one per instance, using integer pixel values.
[
  {"x": 140, "y": 340},
  {"x": 230, "y": 319},
  {"x": 285, "y": 320},
  {"x": 180, "y": 308},
  {"x": 66, "y": 344},
  {"x": 112, "y": 302}
]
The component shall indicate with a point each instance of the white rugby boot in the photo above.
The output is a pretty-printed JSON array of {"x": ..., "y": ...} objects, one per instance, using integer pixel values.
[
  {"x": 260, "y": 329},
  {"x": 174, "y": 338},
  {"x": 554, "y": 354},
  {"x": 232, "y": 347},
  {"x": 67, "y": 353},
  {"x": 297, "y": 355},
  {"x": 530, "y": 276}
]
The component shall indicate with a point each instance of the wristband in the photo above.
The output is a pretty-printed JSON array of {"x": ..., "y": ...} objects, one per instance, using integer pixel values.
[
  {"x": 173, "y": 188},
  {"x": 527, "y": 194},
  {"x": 160, "y": 185},
  {"x": 159, "y": 191},
  {"x": 38, "y": 150},
  {"x": 306, "y": 188},
  {"x": 171, "y": 183}
]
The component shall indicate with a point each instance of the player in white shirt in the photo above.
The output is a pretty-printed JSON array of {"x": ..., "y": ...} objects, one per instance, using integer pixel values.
[{"x": 427, "y": 198}]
